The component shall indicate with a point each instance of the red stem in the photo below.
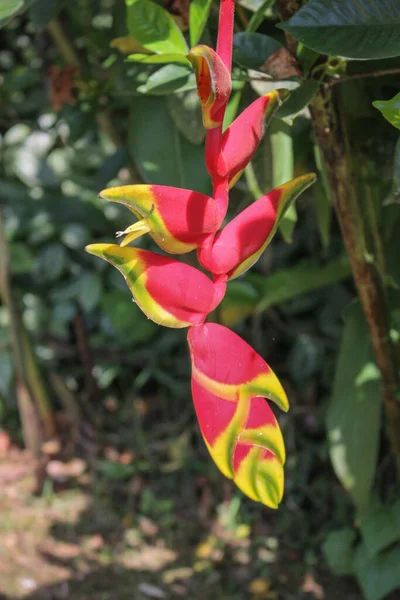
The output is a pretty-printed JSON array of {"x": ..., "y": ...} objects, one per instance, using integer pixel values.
[{"x": 225, "y": 32}]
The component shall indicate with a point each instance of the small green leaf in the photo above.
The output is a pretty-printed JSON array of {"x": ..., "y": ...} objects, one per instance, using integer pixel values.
[
  {"x": 339, "y": 552},
  {"x": 154, "y": 28},
  {"x": 380, "y": 527},
  {"x": 198, "y": 15},
  {"x": 22, "y": 259},
  {"x": 299, "y": 99},
  {"x": 153, "y": 59},
  {"x": 282, "y": 169},
  {"x": 348, "y": 28},
  {"x": 379, "y": 576},
  {"x": 390, "y": 109},
  {"x": 353, "y": 418},
  {"x": 9, "y": 8},
  {"x": 166, "y": 80},
  {"x": 162, "y": 155},
  {"x": 251, "y": 50}
]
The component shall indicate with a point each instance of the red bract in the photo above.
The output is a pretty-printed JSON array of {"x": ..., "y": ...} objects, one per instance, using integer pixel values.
[
  {"x": 169, "y": 292},
  {"x": 236, "y": 148},
  {"x": 240, "y": 244},
  {"x": 178, "y": 220},
  {"x": 230, "y": 381}
]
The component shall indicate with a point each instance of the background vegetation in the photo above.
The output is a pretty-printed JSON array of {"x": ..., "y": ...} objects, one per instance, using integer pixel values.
[{"x": 116, "y": 496}]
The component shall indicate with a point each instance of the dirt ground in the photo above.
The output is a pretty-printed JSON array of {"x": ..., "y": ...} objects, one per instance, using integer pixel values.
[{"x": 69, "y": 542}]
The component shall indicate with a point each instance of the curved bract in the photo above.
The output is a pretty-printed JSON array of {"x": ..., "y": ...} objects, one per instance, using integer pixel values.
[
  {"x": 213, "y": 84},
  {"x": 178, "y": 220},
  {"x": 242, "y": 241},
  {"x": 169, "y": 292},
  {"x": 236, "y": 148},
  {"x": 229, "y": 384}
]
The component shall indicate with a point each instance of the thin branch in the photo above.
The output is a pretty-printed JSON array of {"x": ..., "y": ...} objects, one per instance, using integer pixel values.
[{"x": 381, "y": 73}]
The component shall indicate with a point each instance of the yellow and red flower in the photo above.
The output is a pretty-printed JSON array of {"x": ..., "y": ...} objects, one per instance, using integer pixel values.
[
  {"x": 169, "y": 292},
  {"x": 230, "y": 381},
  {"x": 229, "y": 384},
  {"x": 178, "y": 220}
]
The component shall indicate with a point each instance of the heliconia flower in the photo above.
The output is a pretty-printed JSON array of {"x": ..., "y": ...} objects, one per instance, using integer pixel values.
[
  {"x": 242, "y": 241},
  {"x": 213, "y": 84},
  {"x": 229, "y": 384},
  {"x": 169, "y": 292},
  {"x": 178, "y": 220},
  {"x": 241, "y": 139}
]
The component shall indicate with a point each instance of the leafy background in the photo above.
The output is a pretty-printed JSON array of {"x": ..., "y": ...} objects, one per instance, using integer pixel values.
[{"x": 127, "y": 502}]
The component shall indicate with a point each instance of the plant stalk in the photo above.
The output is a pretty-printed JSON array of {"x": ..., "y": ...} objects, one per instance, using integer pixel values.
[{"x": 331, "y": 134}]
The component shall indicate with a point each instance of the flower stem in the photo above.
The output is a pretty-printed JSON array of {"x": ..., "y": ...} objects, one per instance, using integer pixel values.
[{"x": 225, "y": 32}]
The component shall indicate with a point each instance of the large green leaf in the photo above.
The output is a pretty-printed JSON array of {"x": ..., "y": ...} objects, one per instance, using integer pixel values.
[
  {"x": 162, "y": 154},
  {"x": 256, "y": 293},
  {"x": 358, "y": 30},
  {"x": 43, "y": 11},
  {"x": 378, "y": 576},
  {"x": 154, "y": 28},
  {"x": 390, "y": 109},
  {"x": 198, "y": 15},
  {"x": 380, "y": 528},
  {"x": 353, "y": 419},
  {"x": 251, "y": 50}
]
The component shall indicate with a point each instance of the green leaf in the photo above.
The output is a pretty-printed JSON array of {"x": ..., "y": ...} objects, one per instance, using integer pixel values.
[
  {"x": 251, "y": 50},
  {"x": 240, "y": 300},
  {"x": 43, "y": 11},
  {"x": 390, "y": 109},
  {"x": 89, "y": 290},
  {"x": 8, "y": 8},
  {"x": 305, "y": 277},
  {"x": 166, "y": 80},
  {"x": 339, "y": 552},
  {"x": 126, "y": 318},
  {"x": 258, "y": 17},
  {"x": 348, "y": 28},
  {"x": 256, "y": 293},
  {"x": 162, "y": 155},
  {"x": 22, "y": 259},
  {"x": 298, "y": 99},
  {"x": 154, "y": 28},
  {"x": 379, "y": 576},
  {"x": 152, "y": 59},
  {"x": 282, "y": 169},
  {"x": 198, "y": 15},
  {"x": 380, "y": 528},
  {"x": 185, "y": 110},
  {"x": 353, "y": 418}
]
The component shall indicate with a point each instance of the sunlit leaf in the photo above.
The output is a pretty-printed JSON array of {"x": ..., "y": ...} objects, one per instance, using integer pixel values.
[
  {"x": 198, "y": 15},
  {"x": 353, "y": 418},
  {"x": 154, "y": 28},
  {"x": 390, "y": 109}
]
